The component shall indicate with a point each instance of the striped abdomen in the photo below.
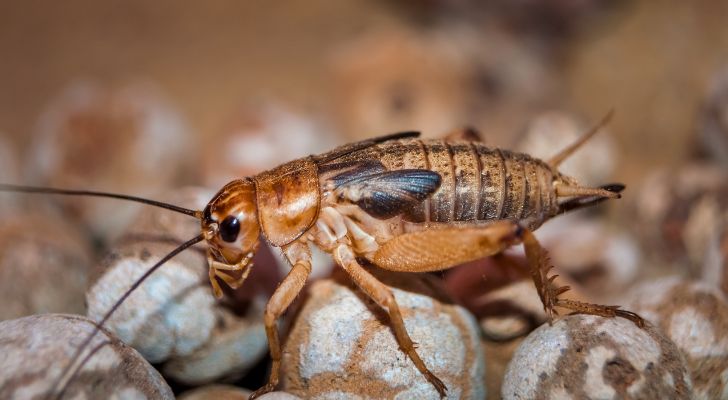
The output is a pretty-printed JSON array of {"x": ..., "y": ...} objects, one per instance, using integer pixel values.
[{"x": 478, "y": 183}]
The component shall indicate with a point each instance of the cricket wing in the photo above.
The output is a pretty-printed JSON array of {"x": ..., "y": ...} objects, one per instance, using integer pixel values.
[{"x": 385, "y": 194}]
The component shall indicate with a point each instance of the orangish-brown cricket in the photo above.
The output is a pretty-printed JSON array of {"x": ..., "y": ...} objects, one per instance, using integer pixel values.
[{"x": 399, "y": 202}]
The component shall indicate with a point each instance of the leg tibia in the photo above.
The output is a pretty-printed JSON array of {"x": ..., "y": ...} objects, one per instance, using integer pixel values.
[{"x": 550, "y": 292}]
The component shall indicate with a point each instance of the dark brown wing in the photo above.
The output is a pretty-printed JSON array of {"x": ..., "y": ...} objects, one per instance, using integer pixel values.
[
  {"x": 384, "y": 194},
  {"x": 347, "y": 149}
]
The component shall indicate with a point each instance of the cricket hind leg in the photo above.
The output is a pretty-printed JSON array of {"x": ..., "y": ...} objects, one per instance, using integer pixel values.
[
  {"x": 549, "y": 292},
  {"x": 382, "y": 295}
]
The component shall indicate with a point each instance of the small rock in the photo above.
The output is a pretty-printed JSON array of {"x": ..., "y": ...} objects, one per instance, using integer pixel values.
[
  {"x": 680, "y": 216},
  {"x": 722, "y": 266},
  {"x": 44, "y": 265},
  {"x": 694, "y": 315},
  {"x": 553, "y": 131},
  {"x": 216, "y": 392},
  {"x": 36, "y": 351},
  {"x": 236, "y": 344},
  {"x": 8, "y": 173},
  {"x": 501, "y": 294},
  {"x": 125, "y": 139},
  {"x": 341, "y": 345},
  {"x": 260, "y": 137},
  {"x": 585, "y": 356},
  {"x": 173, "y": 317},
  {"x": 279, "y": 396},
  {"x": 172, "y": 312},
  {"x": 397, "y": 79},
  {"x": 713, "y": 139},
  {"x": 601, "y": 259}
]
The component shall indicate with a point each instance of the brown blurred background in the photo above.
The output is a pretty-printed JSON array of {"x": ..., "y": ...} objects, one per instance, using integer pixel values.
[
  {"x": 144, "y": 98},
  {"x": 652, "y": 61}
]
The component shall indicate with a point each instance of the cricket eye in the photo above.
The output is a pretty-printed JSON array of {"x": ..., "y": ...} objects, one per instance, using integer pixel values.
[{"x": 229, "y": 229}]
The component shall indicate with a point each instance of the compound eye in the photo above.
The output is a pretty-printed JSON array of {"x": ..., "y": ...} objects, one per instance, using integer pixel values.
[{"x": 229, "y": 229}]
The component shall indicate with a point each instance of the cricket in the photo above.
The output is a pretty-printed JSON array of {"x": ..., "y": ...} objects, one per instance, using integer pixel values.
[{"x": 397, "y": 202}]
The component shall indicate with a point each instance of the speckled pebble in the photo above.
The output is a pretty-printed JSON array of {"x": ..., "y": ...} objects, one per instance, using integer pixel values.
[
  {"x": 342, "y": 347},
  {"x": 173, "y": 317},
  {"x": 694, "y": 315},
  {"x": 519, "y": 308},
  {"x": 236, "y": 344},
  {"x": 229, "y": 392},
  {"x": 120, "y": 138},
  {"x": 44, "y": 265},
  {"x": 172, "y": 312},
  {"x": 279, "y": 396},
  {"x": 599, "y": 258},
  {"x": 554, "y": 130},
  {"x": 258, "y": 137},
  {"x": 8, "y": 173},
  {"x": 583, "y": 356},
  {"x": 216, "y": 392},
  {"x": 35, "y": 352}
]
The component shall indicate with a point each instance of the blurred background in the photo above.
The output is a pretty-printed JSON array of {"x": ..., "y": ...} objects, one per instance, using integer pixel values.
[
  {"x": 144, "y": 98},
  {"x": 370, "y": 67}
]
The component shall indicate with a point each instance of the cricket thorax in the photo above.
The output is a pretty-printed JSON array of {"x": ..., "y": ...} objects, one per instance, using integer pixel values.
[{"x": 288, "y": 200}]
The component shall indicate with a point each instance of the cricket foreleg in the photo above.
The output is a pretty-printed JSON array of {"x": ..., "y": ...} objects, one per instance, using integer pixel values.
[
  {"x": 300, "y": 256},
  {"x": 216, "y": 269},
  {"x": 549, "y": 291},
  {"x": 383, "y": 296}
]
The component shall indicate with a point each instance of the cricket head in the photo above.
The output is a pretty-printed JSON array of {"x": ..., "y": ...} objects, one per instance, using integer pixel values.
[{"x": 230, "y": 223}]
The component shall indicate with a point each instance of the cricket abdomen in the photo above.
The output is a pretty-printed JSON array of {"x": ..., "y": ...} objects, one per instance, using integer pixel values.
[{"x": 477, "y": 183}]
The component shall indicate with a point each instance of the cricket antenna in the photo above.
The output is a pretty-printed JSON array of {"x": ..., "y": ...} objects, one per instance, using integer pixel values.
[
  {"x": 47, "y": 190},
  {"x": 556, "y": 160},
  {"x": 70, "y": 368}
]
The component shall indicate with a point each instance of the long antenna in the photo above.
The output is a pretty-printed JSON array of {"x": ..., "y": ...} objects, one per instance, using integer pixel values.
[
  {"x": 47, "y": 190},
  {"x": 116, "y": 305}
]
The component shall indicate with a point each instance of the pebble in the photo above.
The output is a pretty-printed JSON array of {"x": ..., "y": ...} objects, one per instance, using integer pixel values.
[
  {"x": 124, "y": 139},
  {"x": 36, "y": 349},
  {"x": 44, "y": 265},
  {"x": 236, "y": 344},
  {"x": 173, "y": 317},
  {"x": 585, "y": 356},
  {"x": 681, "y": 214},
  {"x": 713, "y": 133},
  {"x": 550, "y": 132},
  {"x": 398, "y": 79},
  {"x": 694, "y": 315},
  {"x": 261, "y": 136},
  {"x": 216, "y": 392},
  {"x": 341, "y": 345},
  {"x": 591, "y": 252},
  {"x": 8, "y": 173}
]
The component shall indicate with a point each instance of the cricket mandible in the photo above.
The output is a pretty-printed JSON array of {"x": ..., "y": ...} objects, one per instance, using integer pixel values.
[{"x": 399, "y": 202}]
